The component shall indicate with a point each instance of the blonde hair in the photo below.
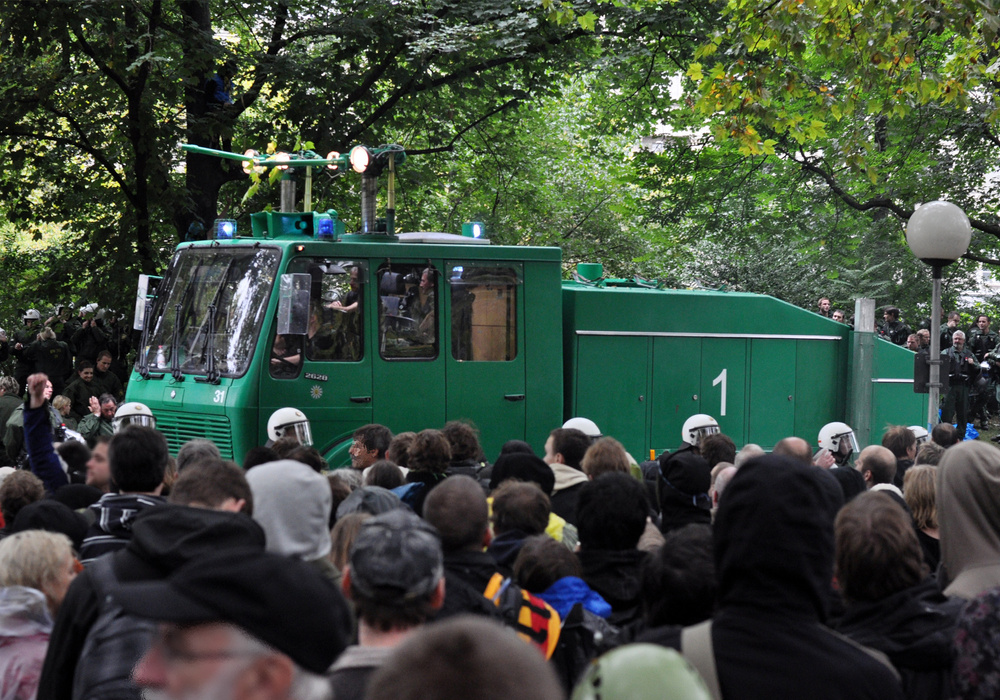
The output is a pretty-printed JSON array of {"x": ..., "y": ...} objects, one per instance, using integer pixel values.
[
  {"x": 33, "y": 558},
  {"x": 59, "y": 402},
  {"x": 604, "y": 456},
  {"x": 342, "y": 537},
  {"x": 920, "y": 495}
]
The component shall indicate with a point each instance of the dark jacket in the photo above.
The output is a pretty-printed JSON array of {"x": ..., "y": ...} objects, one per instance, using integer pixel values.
[
  {"x": 8, "y": 404},
  {"x": 774, "y": 552},
  {"x": 42, "y": 457},
  {"x": 79, "y": 393},
  {"x": 914, "y": 628},
  {"x": 55, "y": 359},
  {"x": 564, "y": 502},
  {"x": 114, "y": 516},
  {"x": 90, "y": 341},
  {"x": 350, "y": 674},
  {"x": 505, "y": 547},
  {"x": 428, "y": 480},
  {"x": 584, "y": 637},
  {"x": 163, "y": 539},
  {"x": 466, "y": 575},
  {"x": 616, "y": 577},
  {"x": 682, "y": 486},
  {"x": 109, "y": 383}
]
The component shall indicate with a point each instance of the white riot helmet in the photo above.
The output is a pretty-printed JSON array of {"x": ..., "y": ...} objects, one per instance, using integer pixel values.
[
  {"x": 920, "y": 433},
  {"x": 698, "y": 427},
  {"x": 839, "y": 439},
  {"x": 89, "y": 309},
  {"x": 585, "y": 426},
  {"x": 32, "y": 315},
  {"x": 290, "y": 422},
  {"x": 133, "y": 413}
]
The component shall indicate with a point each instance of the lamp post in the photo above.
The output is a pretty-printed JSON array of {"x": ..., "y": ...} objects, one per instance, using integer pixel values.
[{"x": 938, "y": 233}]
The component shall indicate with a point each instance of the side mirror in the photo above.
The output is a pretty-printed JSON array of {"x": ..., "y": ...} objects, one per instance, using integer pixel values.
[{"x": 293, "y": 304}]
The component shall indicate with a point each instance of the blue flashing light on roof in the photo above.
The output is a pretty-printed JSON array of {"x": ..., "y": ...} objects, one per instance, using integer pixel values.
[
  {"x": 325, "y": 230},
  {"x": 225, "y": 228}
]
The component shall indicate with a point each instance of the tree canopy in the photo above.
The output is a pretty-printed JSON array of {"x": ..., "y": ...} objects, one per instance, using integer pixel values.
[{"x": 770, "y": 145}]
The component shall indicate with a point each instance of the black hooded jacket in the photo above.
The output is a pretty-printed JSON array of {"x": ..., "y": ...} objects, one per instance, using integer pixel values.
[
  {"x": 616, "y": 576},
  {"x": 683, "y": 482},
  {"x": 914, "y": 628},
  {"x": 774, "y": 550},
  {"x": 163, "y": 539}
]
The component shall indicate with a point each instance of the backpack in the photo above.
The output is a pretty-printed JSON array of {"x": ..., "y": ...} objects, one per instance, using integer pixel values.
[
  {"x": 115, "y": 643},
  {"x": 532, "y": 618}
]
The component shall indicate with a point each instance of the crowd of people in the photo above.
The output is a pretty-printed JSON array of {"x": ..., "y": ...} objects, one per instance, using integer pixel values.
[
  {"x": 425, "y": 571},
  {"x": 971, "y": 361},
  {"x": 84, "y": 357}
]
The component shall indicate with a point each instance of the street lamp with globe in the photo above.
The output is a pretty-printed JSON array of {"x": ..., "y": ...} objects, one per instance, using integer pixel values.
[{"x": 938, "y": 233}]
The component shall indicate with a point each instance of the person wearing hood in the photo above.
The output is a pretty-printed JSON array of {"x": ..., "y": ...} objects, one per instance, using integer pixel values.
[
  {"x": 968, "y": 489},
  {"x": 564, "y": 451},
  {"x": 774, "y": 554},
  {"x": 36, "y": 568},
  {"x": 163, "y": 539},
  {"x": 683, "y": 483},
  {"x": 612, "y": 512},
  {"x": 137, "y": 459},
  {"x": 293, "y": 503}
]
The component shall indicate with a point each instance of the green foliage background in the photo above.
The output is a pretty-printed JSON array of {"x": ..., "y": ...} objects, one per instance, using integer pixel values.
[{"x": 742, "y": 144}]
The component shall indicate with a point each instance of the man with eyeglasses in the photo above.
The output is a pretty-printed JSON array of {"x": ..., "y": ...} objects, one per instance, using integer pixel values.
[{"x": 241, "y": 625}]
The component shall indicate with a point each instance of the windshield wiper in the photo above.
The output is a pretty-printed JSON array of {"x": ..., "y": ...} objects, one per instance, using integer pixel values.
[
  {"x": 212, "y": 375},
  {"x": 175, "y": 362}
]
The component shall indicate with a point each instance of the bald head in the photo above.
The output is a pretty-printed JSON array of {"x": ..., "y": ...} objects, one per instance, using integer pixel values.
[
  {"x": 877, "y": 464},
  {"x": 794, "y": 447},
  {"x": 721, "y": 481}
]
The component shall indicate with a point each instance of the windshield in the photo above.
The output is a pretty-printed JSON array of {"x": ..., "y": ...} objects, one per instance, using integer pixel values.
[{"x": 235, "y": 281}]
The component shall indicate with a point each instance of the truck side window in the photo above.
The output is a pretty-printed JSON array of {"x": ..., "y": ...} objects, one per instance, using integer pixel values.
[
  {"x": 336, "y": 317},
  {"x": 483, "y": 313},
  {"x": 407, "y": 312}
]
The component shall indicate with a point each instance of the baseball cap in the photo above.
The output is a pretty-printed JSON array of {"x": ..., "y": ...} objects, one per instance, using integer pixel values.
[
  {"x": 396, "y": 557},
  {"x": 282, "y": 601},
  {"x": 373, "y": 500}
]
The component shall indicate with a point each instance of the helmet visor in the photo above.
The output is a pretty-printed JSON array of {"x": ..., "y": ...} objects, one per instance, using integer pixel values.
[
  {"x": 135, "y": 419},
  {"x": 846, "y": 443},
  {"x": 299, "y": 431},
  {"x": 703, "y": 432}
]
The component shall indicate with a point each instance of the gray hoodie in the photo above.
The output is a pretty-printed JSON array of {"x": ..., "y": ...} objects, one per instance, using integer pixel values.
[
  {"x": 292, "y": 503},
  {"x": 968, "y": 491}
]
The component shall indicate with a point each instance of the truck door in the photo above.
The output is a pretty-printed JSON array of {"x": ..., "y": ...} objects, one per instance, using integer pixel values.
[
  {"x": 485, "y": 353},
  {"x": 327, "y": 373},
  {"x": 408, "y": 372}
]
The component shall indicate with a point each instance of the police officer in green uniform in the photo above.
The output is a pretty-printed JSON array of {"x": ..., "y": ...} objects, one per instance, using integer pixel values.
[
  {"x": 51, "y": 357},
  {"x": 22, "y": 339},
  {"x": 892, "y": 329}
]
